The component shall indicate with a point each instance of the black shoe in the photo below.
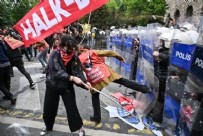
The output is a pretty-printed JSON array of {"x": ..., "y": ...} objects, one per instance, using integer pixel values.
[
  {"x": 97, "y": 121},
  {"x": 13, "y": 101},
  {"x": 32, "y": 85},
  {"x": 156, "y": 117},
  {"x": 6, "y": 98},
  {"x": 30, "y": 60},
  {"x": 146, "y": 89}
]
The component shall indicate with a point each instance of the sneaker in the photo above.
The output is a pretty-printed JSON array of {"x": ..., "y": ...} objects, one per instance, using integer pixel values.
[
  {"x": 82, "y": 132},
  {"x": 13, "y": 101},
  {"x": 32, "y": 85},
  {"x": 44, "y": 131}
]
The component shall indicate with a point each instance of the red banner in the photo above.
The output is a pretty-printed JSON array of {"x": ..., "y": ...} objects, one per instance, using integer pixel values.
[
  {"x": 51, "y": 15},
  {"x": 13, "y": 43}
]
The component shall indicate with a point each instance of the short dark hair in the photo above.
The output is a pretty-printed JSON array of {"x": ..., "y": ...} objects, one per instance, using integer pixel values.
[{"x": 68, "y": 41}]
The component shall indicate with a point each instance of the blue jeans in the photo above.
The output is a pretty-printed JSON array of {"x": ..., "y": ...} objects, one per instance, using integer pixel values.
[{"x": 42, "y": 57}]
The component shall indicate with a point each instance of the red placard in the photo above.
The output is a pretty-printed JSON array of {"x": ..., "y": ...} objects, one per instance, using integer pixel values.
[
  {"x": 49, "y": 16},
  {"x": 13, "y": 43}
]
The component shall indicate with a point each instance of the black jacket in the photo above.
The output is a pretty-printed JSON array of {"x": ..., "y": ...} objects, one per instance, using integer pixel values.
[
  {"x": 13, "y": 53},
  {"x": 58, "y": 75},
  {"x": 163, "y": 61},
  {"x": 3, "y": 53}
]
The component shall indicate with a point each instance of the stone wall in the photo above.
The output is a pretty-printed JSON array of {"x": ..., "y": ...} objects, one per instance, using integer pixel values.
[{"x": 188, "y": 10}]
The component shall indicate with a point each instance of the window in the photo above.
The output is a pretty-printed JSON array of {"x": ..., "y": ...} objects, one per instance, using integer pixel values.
[{"x": 189, "y": 11}]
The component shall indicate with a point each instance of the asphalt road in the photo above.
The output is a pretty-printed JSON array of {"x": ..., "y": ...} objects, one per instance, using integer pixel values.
[{"x": 29, "y": 107}]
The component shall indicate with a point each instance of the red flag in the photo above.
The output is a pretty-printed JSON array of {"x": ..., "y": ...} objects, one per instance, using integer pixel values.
[
  {"x": 13, "y": 43},
  {"x": 51, "y": 15}
]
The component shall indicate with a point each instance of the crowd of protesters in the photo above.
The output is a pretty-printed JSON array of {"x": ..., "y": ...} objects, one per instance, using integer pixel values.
[
  {"x": 64, "y": 56},
  {"x": 60, "y": 75},
  {"x": 11, "y": 58},
  {"x": 56, "y": 45}
]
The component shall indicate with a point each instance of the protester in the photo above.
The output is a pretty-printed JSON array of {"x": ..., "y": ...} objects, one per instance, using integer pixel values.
[
  {"x": 76, "y": 27},
  {"x": 43, "y": 48},
  {"x": 5, "y": 78},
  {"x": 35, "y": 51},
  {"x": 100, "y": 75},
  {"x": 16, "y": 60},
  {"x": 55, "y": 45},
  {"x": 30, "y": 52},
  {"x": 63, "y": 70},
  {"x": 49, "y": 40},
  {"x": 25, "y": 52}
]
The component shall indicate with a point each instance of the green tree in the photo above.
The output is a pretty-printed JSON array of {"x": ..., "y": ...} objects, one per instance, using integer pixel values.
[
  {"x": 134, "y": 12},
  {"x": 11, "y": 12},
  {"x": 98, "y": 18},
  {"x": 21, "y": 7},
  {"x": 5, "y": 17},
  {"x": 145, "y": 7}
]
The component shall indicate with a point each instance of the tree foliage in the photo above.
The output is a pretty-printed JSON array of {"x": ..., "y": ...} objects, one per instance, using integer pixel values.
[
  {"x": 21, "y": 8},
  {"x": 115, "y": 12},
  {"x": 12, "y": 11},
  {"x": 100, "y": 18},
  {"x": 146, "y": 7},
  {"x": 128, "y": 12},
  {"x": 5, "y": 17}
]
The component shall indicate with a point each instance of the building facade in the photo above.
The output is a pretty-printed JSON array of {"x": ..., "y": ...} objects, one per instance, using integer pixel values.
[{"x": 185, "y": 10}]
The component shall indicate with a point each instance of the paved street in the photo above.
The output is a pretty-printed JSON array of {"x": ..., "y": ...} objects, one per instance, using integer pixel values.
[{"x": 29, "y": 105}]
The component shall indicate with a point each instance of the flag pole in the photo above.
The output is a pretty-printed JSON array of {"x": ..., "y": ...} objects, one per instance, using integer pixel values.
[{"x": 110, "y": 99}]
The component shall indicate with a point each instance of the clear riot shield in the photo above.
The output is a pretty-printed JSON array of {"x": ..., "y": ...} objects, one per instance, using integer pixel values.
[
  {"x": 140, "y": 72},
  {"x": 112, "y": 46},
  {"x": 118, "y": 49},
  {"x": 191, "y": 119},
  {"x": 178, "y": 71},
  {"x": 134, "y": 52},
  {"x": 108, "y": 45},
  {"x": 153, "y": 26},
  {"x": 145, "y": 70},
  {"x": 191, "y": 111},
  {"x": 181, "y": 54}
]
